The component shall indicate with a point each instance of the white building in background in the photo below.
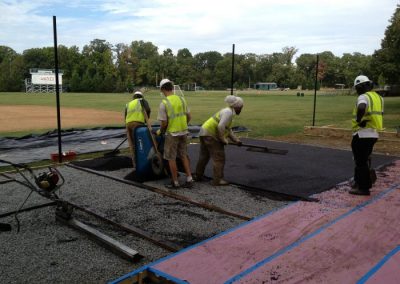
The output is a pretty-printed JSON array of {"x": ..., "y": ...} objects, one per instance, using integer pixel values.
[{"x": 43, "y": 81}]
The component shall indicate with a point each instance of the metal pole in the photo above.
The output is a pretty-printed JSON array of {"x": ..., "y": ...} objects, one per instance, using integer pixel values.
[
  {"x": 315, "y": 90},
  {"x": 57, "y": 90},
  {"x": 233, "y": 67}
]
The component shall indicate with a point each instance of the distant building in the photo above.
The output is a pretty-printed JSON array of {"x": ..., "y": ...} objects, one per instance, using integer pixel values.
[{"x": 265, "y": 86}]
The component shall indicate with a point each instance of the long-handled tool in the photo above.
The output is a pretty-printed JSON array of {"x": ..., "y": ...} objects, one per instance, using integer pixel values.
[
  {"x": 263, "y": 149},
  {"x": 116, "y": 150},
  {"x": 157, "y": 164}
]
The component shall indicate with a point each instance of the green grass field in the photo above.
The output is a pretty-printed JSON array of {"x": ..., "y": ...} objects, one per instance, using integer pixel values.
[{"x": 274, "y": 113}]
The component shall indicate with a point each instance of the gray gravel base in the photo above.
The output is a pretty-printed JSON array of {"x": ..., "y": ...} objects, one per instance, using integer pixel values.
[{"x": 46, "y": 251}]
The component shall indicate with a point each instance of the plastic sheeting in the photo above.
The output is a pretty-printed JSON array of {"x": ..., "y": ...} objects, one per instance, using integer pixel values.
[{"x": 32, "y": 148}]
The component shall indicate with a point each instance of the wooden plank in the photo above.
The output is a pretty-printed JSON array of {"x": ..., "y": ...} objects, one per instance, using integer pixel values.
[{"x": 110, "y": 243}]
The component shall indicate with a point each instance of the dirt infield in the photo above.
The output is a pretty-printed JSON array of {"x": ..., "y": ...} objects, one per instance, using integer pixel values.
[{"x": 29, "y": 118}]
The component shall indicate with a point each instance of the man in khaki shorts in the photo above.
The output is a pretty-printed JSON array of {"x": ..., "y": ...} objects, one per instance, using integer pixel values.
[{"x": 174, "y": 116}]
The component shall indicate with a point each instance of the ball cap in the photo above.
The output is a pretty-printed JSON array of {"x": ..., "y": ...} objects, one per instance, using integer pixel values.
[
  {"x": 361, "y": 79},
  {"x": 164, "y": 81}
]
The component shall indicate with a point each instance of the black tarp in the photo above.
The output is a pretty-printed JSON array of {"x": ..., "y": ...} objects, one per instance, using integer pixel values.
[
  {"x": 303, "y": 171},
  {"x": 39, "y": 147}
]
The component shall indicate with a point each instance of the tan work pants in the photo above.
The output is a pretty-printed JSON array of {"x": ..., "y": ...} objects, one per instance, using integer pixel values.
[
  {"x": 210, "y": 147},
  {"x": 130, "y": 133}
]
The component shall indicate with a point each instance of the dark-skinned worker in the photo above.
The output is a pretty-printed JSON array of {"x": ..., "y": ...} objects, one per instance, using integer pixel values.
[
  {"x": 214, "y": 134},
  {"x": 174, "y": 116},
  {"x": 134, "y": 117},
  {"x": 367, "y": 121}
]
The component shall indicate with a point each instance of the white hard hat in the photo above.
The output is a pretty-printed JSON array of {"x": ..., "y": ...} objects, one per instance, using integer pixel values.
[
  {"x": 164, "y": 81},
  {"x": 234, "y": 101},
  {"x": 361, "y": 79},
  {"x": 138, "y": 93}
]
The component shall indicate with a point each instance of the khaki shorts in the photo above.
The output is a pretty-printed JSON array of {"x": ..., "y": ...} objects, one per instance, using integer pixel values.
[{"x": 175, "y": 146}]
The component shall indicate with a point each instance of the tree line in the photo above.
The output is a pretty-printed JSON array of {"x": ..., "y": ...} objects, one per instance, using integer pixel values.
[{"x": 103, "y": 67}]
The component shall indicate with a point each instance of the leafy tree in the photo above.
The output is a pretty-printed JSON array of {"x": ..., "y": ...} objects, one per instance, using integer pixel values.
[{"x": 386, "y": 61}]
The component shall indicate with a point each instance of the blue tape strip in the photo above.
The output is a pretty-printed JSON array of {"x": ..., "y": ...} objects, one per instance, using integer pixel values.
[
  {"x": 378, "y": 266},
  {"x": 309, "y": 236},
  {"x": 167, "y": 276}
]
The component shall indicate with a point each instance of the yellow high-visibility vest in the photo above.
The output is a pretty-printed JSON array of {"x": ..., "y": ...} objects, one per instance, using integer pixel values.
[
  {"x": 134, "y": 111},
  {"x": 211, "y": 125},
  {"x": 373, "y": 114},
  {"x": 176, "y": 108}
]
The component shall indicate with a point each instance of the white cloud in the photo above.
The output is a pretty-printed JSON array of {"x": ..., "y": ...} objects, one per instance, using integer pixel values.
[{"x": 258, "y": 26}]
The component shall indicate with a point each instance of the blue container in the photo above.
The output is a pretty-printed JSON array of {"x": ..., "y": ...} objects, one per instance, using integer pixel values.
[{"x": 144, "y": 152}]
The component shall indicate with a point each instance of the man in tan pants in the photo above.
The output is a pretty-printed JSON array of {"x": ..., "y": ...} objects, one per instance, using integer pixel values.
[
  {"x": 213, "y": 138},
  {"x": 134, "y": 117}
]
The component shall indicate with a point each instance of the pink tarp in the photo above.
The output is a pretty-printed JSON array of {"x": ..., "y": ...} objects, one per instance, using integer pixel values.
[
  {"x": 388, "y": 272},
  {"x": 338, "y": 239}
]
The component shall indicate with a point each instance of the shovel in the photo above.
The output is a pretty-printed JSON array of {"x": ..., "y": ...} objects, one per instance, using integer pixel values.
[
  {"x": 115, "y": 151},
  {"x": 263, "y": 149},
  {"x": 157, "y": 164}
]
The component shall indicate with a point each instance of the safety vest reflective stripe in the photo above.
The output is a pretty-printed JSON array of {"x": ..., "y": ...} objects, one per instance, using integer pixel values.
[
  {"x": 134, "y": 111},
  {"x": 373, "y": 115},
  {"x": 176, "y": 108},
  {"x": 211, "y": 125}
]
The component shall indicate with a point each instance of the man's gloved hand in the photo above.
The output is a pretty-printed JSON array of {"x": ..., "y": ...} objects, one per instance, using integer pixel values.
[
  {"x": 239, "y": 143},
  {"x": 158, "y": 132}
]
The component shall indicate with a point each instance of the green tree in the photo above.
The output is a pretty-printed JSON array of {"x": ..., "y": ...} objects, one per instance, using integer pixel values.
[
  {"x": 99, "y": 70},
  {"x": 386, "y": 61},
  {"x": 144, "y": 57},
  {"x": 8, "y": 76}
]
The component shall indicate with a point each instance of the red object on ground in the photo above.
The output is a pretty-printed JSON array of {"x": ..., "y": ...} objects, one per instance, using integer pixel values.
[{"x": 66, "y": 156}]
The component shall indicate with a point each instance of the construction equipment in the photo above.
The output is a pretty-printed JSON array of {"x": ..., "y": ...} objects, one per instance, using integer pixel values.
[
  {"x": 157, "y": 164},
  {"x": 45, "y": 184},
  {"x": 263, "y": 149}
]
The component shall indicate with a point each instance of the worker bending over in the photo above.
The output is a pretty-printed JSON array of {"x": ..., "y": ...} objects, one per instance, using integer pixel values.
[
  {"x": 134, "y": 117},
  {"x": 213, "y": 138}
]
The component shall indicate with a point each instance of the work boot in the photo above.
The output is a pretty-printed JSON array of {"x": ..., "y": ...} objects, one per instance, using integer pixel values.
[
  {"x": 188, "y": 184},
  {"x": 172, "y": 185},
  {"x": 220, "y": 182},
  {"x": 354, "y": 185},
  {"x": 357, "y": 191},
  {"x": 198, "y": 178}
]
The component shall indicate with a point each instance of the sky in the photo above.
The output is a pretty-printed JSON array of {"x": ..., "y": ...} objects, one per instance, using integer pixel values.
[{"x": 254, "y": 26}]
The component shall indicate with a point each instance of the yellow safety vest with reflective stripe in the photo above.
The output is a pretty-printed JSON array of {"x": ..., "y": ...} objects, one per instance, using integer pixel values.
[
  {"x": 373, "y": 114},
  {"x": 211, "y": 125},
  {"x": 176, "y": 108},
  {"x": 134, "y": 111}
]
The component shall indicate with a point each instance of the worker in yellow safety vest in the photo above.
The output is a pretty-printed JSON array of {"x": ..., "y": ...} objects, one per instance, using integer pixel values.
[
  {"x": 367, "y": 121},
  {"x": 174, "y": 116},
  {"x": 213, "y": 138},
  {"x": 134, "y": 117}
]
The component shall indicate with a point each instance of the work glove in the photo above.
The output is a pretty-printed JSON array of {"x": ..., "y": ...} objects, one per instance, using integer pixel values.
[
  {"x": 239, "y": 143},
  {"x": 158, "y": 132}
]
